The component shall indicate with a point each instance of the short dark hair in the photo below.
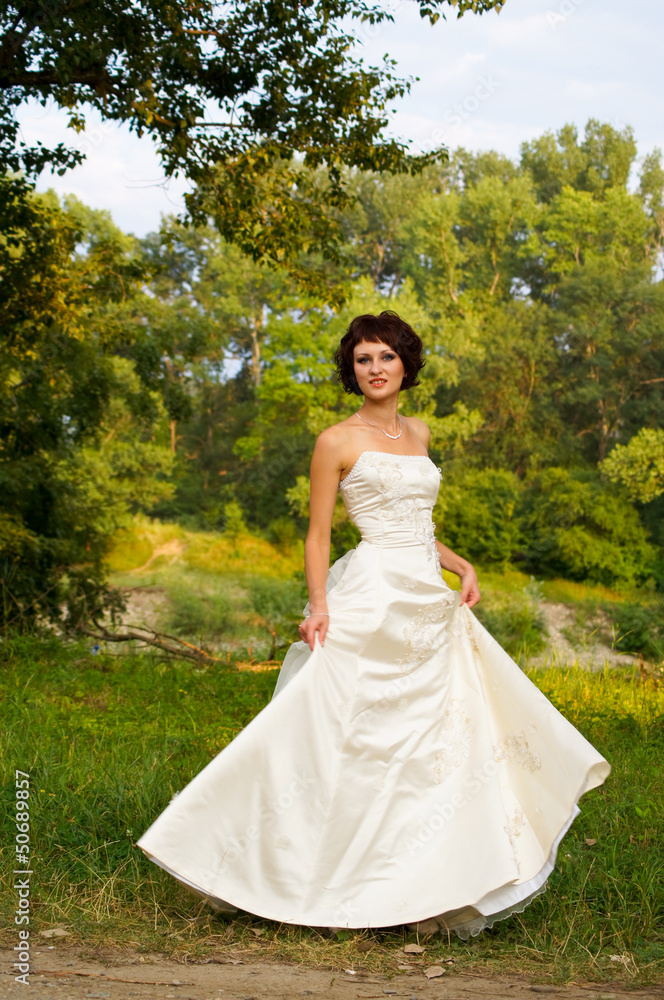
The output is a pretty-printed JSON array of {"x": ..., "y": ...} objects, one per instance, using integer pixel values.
[{"x": 387, "y": 328}]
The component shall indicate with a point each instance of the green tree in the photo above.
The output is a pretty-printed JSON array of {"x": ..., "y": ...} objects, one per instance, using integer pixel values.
[
  {"x": 511, "y": 385},
  {"x": 77, "y": 454},
  {"x": 496, "y": 222},
  {"x": 609, "y": 313},
  {"x": 602, "y": 160},
  {"x": 204, "y": 327},
  {"x": 638, "y": 465},
  {"x": 577, "y": 528},
  {"x": 226, "y": 92},
  {"x": 477, "y": 513}
]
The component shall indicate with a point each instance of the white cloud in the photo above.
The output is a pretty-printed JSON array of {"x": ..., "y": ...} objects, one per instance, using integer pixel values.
[
  {"x": 517, "y": 32},
  {"x": 121, "y": 172},
  {"x": 463, "y": 67}
]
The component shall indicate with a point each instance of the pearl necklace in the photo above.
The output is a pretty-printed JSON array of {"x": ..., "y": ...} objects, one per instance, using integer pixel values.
[{"x": 393, "y": 436}]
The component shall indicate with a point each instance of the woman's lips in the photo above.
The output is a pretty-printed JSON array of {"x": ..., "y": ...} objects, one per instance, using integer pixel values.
[{"x": 378, "y": 381}]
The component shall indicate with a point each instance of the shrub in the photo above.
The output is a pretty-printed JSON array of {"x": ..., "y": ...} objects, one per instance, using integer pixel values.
[
  {"x": 476, "y": 513},
  {"x": 515, "y": 621},
  {"x": 200, "y": 614},
  {"x": 639, "y": 629},
  {"x": 283, "y": 533},
  {"x": 279, "y": 603},
  {"x": 234, "y": 524},
  {"x": 579, "y": 528}
]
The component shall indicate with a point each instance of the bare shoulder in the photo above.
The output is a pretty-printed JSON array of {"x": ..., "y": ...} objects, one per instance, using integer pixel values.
[
  {"x": 330, "y": 447},
  {"x": 419, "y": 429}
]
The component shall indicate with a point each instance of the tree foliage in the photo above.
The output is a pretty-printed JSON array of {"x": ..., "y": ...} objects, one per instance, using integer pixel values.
[
  {"x": 177, "y": 376},
  {"x": 542, "y": 314},
  {"x": 226, "y": 91},
  {"x": 77, "y": 449},
  {"x": 638, "y": 465}
]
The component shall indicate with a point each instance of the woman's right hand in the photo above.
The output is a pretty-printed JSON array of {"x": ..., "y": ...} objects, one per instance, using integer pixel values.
[{"x": 314, "y": 623}]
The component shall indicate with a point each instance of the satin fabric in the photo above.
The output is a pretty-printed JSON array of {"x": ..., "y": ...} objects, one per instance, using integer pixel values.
[{"x": 406, "y": 769}]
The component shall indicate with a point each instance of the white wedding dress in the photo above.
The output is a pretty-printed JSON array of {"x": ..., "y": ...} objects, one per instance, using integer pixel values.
[{"x": 406, "y": 769}]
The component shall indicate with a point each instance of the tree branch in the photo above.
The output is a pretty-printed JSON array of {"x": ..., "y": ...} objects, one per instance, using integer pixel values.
[
  {"x": 161, "y": 640},
  {"x": 48, "y": 78}
]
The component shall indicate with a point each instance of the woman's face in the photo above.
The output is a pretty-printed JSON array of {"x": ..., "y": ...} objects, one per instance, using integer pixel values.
[{"x": 378, "y": 369}]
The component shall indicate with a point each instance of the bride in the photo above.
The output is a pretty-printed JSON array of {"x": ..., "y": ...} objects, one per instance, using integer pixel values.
[{"x": 406, "y": 770}]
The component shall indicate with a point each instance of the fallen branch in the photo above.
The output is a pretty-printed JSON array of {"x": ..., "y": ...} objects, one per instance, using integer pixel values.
[
  {"x": 161, "y": 640},
  {"x": 116, "y": 979}
]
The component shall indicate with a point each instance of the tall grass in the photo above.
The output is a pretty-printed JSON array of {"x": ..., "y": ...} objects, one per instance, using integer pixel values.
[
  {"x": 108, "y": 740},
  {"x": 208, "y": 551},
  {"x": 240, "y": 594}
]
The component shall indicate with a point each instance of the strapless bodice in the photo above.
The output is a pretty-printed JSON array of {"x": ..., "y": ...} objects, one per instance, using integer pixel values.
[{"x": 389, "y": 499}]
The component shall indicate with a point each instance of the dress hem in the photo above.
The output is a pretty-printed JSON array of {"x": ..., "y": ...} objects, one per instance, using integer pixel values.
[{"x": 466, "y": 926}]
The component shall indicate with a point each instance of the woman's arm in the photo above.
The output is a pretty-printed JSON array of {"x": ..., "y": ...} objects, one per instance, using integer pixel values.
[
  {"x": 470, "y": 591},
  {"x": 324, "y": 480}
]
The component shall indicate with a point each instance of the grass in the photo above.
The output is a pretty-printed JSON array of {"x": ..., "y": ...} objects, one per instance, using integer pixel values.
[
  {"x": 239, "y": 595},
  {"x": 109, "y": 739},
  {"x": 208, "y": 551}
]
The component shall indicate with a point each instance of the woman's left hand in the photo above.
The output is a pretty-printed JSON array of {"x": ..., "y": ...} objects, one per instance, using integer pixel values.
[{"x": 470, "y": 589}]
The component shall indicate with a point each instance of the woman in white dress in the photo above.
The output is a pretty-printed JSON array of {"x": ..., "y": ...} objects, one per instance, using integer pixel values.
[{"x": 406, "y": 769}]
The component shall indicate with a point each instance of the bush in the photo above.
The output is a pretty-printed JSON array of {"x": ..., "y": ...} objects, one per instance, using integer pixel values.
[
  {"x": 283, "y": 533},
  {"x": 477, "y": 514},
  {"x": 279, "y": 603},
  {"x": 639, "y": 629},
  {"x": 579, "y": 528},
  {"x": 515, "y": 621},
  {"x": 200, "y": 614},
  {"x": 234, "y": 524}
]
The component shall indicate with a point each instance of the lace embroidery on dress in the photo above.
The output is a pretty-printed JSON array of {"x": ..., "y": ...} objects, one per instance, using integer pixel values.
[
  {"x": 515, "y": 747},
  {"x": 460, "y": 630},
  {"x": 457, "y": 737},
  {"x": 350, "y": 492},
  {"x": 420, "y": 631},
  {"x": 513, "y": 830},
  {"x": 415, "y": 510}
]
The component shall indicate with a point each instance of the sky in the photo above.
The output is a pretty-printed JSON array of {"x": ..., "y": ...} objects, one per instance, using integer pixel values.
[{"x": 489, "y": 82}]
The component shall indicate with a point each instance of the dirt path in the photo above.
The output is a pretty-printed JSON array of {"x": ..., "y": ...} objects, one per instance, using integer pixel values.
[
  {"x": 590, "y": 649},
  {"x": 56, "y": 974}
]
